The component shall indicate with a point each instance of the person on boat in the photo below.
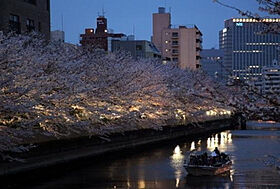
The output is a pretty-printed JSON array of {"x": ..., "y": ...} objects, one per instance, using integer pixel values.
[{"x": 217, "y": 151}]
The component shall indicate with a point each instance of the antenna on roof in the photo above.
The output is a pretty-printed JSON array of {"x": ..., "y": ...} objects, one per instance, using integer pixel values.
[
  {"x": 133, "y": 30},
  {"x": 103, "y": 12},
  {"x": 62, "y": 24}
]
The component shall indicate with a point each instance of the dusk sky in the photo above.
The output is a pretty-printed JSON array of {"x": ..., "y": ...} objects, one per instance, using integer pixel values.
[{"x": 124, "y": 15}]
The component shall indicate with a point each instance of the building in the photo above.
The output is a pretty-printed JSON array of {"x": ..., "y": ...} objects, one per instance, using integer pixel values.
[
  {"x": 58, "y": 35},
  {"x": 211, "y": 63},
  {"x": 182, "y": 44},
  {"x": 137, "y": 48},
  {"x": 271, "y": 79},
  {"x": 23, "y": 16},
  {"x": 98, "y": 38},
  {"x": 246, "y": 49}
]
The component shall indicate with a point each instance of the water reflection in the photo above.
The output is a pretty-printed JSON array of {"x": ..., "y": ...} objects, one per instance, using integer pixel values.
[
  {"x": 141, "y": 184},
  {"x": 176, "y": 162},
  {"x": 220, "y": 140},
  {"x": 192, "y": 146},
  {"x": 162, "y": 167}
]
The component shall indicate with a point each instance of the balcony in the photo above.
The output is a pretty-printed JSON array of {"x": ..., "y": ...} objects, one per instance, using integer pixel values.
[
  {"x": 175, "y": 35},
  {"x": 175, "y": 44},
  {"x": 175, "y": 51},
  {"x": 199, "y": 39}
]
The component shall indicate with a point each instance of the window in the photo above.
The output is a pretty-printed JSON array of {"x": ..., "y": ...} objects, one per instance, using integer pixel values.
[
  {"x": 138, "y": 47},
  {"x": 175, "y": 34},
  {"x": 175, "y": 43},
  {"x": 175, "y": 51},
  {"x": 14, "y": 24},
  {"x": 33, "y": 2},
  {"x": 30, "y": 25}
]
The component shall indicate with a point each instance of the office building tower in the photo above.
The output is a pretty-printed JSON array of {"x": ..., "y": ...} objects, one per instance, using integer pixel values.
[
  {"x": 211, "y": 63},
  {"x": 58, "y": 35},
  {"x": 271, "y": 79},
  {"x": 247, "y": 49}
]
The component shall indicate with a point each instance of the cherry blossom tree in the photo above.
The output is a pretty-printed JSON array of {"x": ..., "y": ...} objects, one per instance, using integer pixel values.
[
  {"x": 57, "y": 90},
  {"x": 51, "y": 91}
]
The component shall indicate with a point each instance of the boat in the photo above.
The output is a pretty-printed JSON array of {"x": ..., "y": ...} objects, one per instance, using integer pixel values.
[
  {"x": 201, "y": 170},
  {"x": 209, "y": 166}
]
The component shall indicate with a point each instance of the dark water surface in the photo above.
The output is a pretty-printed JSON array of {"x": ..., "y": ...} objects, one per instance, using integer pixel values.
[{"x": 162, "y": 167}]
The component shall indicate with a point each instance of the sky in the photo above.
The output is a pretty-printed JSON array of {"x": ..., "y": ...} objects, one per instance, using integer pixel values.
[{"x": 126, "y": 16}]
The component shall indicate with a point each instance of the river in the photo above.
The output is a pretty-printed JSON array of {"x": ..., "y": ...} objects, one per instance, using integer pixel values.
[{"x": 161, "y": 167}]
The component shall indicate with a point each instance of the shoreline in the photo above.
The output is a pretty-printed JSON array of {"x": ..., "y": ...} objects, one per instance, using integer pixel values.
[{"x": 64, "y": 151}]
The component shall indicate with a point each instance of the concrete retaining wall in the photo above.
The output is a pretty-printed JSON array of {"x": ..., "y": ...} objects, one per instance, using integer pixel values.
[{"x": 64, "y": 151}]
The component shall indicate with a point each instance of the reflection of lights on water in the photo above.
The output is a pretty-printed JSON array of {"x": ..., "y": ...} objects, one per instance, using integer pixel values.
[
  {"x": 231, "y": 175},
  {"x": 192, "y": 146},
  {"x": 177, "y": 150},
  {"x": 216, "y": 141},
  {"x": 212, "y": 143},
  {"x": 141, "y": 184},
  {"x": 222, "y": 140},
  {"x": 230, "y": 137},
  {"x": 227, "y": 186},
  {"x": 177, "y": 182},
  {"x": 177, "y": 161},
  {"x": 128, "y": 183},
  {"x": 208, "y": 142}
]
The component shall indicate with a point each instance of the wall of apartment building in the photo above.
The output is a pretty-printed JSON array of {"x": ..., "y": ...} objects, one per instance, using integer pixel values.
[
  {"x": 39, "y": 13},
  {"x": 167, "y": 47},
  {"x": 187, "y": 48},
  {"x": 180, "y": 44},
  {"x": 161, "y": 21}
]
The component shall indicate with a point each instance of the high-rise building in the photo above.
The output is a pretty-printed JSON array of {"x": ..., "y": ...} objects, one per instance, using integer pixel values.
[
  {"x": 182, "y": 44},
  {"x": 161, "y": 21},
  {"x": 23, "y": 16},
  {"x": 58, "y": 35},
  {"x": 99, "y": 38},
  {"x": 211, "y": 62},
  {"x": 247, "y": 49},
  {"x": 271, "y": 79}
]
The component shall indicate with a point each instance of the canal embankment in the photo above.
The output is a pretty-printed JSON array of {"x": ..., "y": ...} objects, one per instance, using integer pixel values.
[
  {"x": 55, "y": 152},
  {"x": 262, "y": 125}
]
